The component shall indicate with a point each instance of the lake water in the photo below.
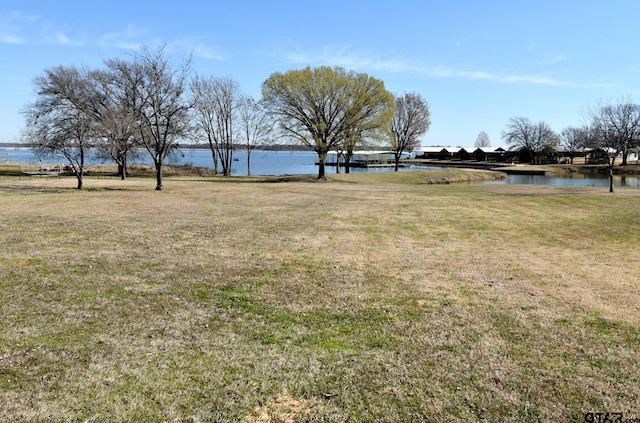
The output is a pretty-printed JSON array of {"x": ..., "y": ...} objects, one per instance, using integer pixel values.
[{"x": 265, "y": 163}]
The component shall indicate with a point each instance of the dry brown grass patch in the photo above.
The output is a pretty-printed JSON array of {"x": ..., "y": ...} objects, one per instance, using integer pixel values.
[{"x": 283, "y": 409}]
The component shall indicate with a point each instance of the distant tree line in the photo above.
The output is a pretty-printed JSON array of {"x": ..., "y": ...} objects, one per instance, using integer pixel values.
[{"x": 147, "y": 104}]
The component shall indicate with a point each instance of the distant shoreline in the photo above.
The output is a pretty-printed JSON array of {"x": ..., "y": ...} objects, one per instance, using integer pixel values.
[{"x": 272, "y": 147}]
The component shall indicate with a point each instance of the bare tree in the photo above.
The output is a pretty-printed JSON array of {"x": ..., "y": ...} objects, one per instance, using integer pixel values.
[
  {"x": 62, "y": 119},
  {"x": 60, "y": 131},
  {"x": 254, "y": 126},
  {"x": 534, "y": 139},
  {"x": 205, "y": 115},
  {"x": 614, "y": 128},
  {"x": 482, "y": 140},
  {"x": 622, "y": 121},
  {"x": 216, "y": 101},
  {"x": 117, "y": 124},
  {"x": 574, "y": 140},
  {"x": 161, "y": 110},
  {"x": 411, "y": 120}
]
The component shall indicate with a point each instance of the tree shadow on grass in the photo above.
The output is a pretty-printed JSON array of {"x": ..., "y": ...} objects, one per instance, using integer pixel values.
[{"x": 33, "y": 189}]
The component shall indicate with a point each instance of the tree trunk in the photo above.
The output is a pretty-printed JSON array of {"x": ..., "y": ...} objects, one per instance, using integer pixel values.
[
  {"x": 321, "y": 160},
  {"x": 158, "y": 175},
  {"x": 214, "y": 155},
  {"x": 396, "y": 159},
  {"x": 612, "y": 161},
  {"x": 121, "y": 171},
  {"x": 347, "y": 163},
  {"x": 224, "y": 157},
  {"x": 248, "y": 162},
  {"x": 611, "y": 179},
  {"x": 80, "y": 172},
  {"x": 124, "y": 167}
]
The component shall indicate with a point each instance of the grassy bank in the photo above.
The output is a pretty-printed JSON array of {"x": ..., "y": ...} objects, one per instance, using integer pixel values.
[{"x": 368, "y": 297}]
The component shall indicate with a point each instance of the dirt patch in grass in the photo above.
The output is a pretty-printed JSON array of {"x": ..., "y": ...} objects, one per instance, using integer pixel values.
[{"x": 283, "y": 409}]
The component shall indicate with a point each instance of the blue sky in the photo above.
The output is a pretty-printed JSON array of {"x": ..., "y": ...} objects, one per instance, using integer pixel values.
[{"x": 476, "y": 63}]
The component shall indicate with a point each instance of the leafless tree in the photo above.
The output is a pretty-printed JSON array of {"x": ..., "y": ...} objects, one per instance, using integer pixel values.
[
  {"x": 62, "y": 119},
  {"x": 118, "y": 125},
  {"x": 622, "y": 123},
  {"x": 614, "y": 128},
  {"x": 535, "y": 139},
  {"x": 574, "y": 140},
  {"x": 60, "y": 131},
  {"x": 216, "y": 102},
  {"x": 254, "y": 126},
  {"x": 157, "y": 89},
  {"x": 411, "y": 120},
  {"x": 205, "y": 115},
  {"x": 483, "y": 140}
]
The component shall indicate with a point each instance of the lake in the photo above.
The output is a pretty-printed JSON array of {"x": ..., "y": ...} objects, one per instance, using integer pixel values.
[
  {"x": 263, "y": 162},
  {"x": 268, "y": 162}
]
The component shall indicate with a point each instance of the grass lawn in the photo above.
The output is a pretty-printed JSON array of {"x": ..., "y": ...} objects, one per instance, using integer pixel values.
[{"x": 365, "y": 298}]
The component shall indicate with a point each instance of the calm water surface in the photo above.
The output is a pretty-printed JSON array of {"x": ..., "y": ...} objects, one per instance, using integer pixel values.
[
  {"x": 265, "y": 163},
  {"x": 590, "y": 180}
]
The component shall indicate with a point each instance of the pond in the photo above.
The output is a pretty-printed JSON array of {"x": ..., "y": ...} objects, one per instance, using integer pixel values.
[{"x": 582, "y": 180}]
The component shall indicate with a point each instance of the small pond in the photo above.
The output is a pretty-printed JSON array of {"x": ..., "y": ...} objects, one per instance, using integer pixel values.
[{"x": 594, "y": 180}]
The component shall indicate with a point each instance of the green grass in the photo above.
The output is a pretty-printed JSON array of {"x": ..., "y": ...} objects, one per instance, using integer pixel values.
[{"x": 379, "y": 297}]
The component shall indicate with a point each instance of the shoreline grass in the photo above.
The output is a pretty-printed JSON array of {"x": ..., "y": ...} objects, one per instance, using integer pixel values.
[{"x": 367, "y": 298}]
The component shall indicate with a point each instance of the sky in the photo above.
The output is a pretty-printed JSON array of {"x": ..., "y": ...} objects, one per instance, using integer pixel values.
[{"x": 477, "y": 63}]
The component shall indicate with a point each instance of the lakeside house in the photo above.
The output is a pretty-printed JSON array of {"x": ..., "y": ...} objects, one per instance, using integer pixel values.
[
  {"x": 499, "y": 154},
  {"x": 486, "y": 154}
]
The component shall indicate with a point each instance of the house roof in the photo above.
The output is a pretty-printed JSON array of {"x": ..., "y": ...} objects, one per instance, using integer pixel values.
[
  {"x": 422, "y": 149},
  {"x": 365, "y": 152},
  {"x": 491, "y": 149},
  {"x": 458, "y": 149}
]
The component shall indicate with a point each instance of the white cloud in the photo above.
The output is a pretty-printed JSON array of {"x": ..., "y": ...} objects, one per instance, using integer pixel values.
[
  {"x": 476, "y": 75},
  {"x": 532, "y": 79},
  {"x": 558, "y": 58},
  {"x": 11, "y": 39},
  {"x": 12, "y": 27},
  {"x": 343, "y": 56},
  {"x": 61, "y": 39},
  {"x": 128, "y": 39},
  {"x": 18, "y": 28},
  {"x": 207, "y": 52},
  {"x": 197, "y": 47}
]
